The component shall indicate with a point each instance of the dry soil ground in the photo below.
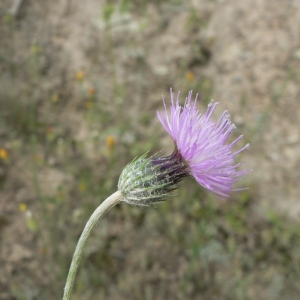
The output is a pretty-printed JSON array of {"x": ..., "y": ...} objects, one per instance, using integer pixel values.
[{"x": 244, "y": 54}]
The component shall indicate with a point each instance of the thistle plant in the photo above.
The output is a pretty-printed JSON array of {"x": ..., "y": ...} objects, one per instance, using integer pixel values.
[{"x": 200, "y": 151}]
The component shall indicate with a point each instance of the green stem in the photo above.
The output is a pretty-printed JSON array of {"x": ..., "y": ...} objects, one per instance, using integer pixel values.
[{"x": 101, "y": 210}]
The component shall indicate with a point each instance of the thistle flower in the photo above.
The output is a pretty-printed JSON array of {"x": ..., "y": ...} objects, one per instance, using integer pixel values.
[
  {"x": 202, "y": 144},
  {"x": 200, "y": 152}
]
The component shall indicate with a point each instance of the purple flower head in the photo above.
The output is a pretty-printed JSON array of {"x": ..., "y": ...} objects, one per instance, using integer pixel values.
[
  {"x": 201, "y": 151},
  {"x": 202, "y": 144}
]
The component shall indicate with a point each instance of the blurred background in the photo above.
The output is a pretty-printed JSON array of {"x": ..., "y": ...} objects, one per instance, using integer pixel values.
[{"x": 80, "y": 85}]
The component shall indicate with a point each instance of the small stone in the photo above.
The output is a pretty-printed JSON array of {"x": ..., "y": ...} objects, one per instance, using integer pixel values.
[
  {"x": 293, "y": 139},
  {"x": 297, "y": 54},
  {"x": 160, "y": 70},
  {"x": 19, "y": 253}
]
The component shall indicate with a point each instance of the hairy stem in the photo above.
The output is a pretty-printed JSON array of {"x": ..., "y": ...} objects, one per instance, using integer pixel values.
[{"x": 101, "y": 210}]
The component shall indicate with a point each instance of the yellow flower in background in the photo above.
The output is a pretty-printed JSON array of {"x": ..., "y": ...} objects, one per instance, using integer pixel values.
[
  {"x": 79, "y": 75},
  {"x": 38, "y": 158},
  {"x": 110, "y": 141},
  {"x": 42, "y": 250},
  {"x": 82, "y": 187},
  {"x": 49, "y": 129},
  {"x": 55, "y": 98},
  {"x": 190, "y": 76},
  {"x": 3, "y": 154},
  {"x": 89, "y": 104},
  {"x": 22, "y": 207},
  {"x": 92, "y": 91}
]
